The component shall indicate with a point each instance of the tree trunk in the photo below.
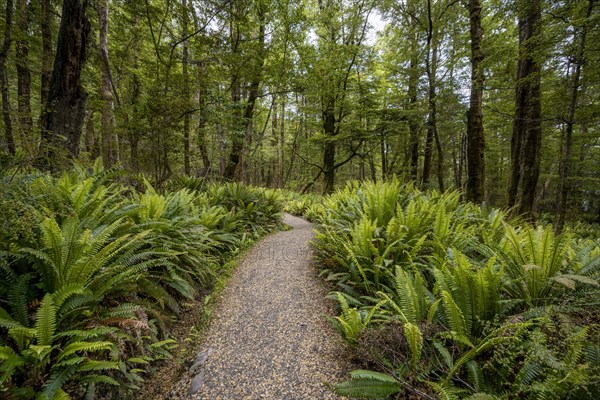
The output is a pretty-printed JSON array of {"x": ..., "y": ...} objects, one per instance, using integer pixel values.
[
  {"x": 281, "y": 153},
  {"x": 133, "y": 130},
  {"x": 202, "y": 141},
  {"x": 23, "y": 74},
  {"x": 63, "y": 120},
  {"x": 413, "y": 124},
  {"x": 9, "y": 144},
  {"x": 329, "y": 151},
  {"x": 90, "y": 136},
  {"x": 440, "y": 154},
  {"x": 186, "y": 90},
  {"x": 46, "y": 52},
  {"x": 565, "y": 159},
  {"x": 475, "y": 139},
  {"x": 273, "y": 177},
  {"x": 109, "y": 146},
  {"x": 413, "y": 121},
  {"x": 527, "y": 128},
  {"x": 431, "y": 66},
  {"x": 239, "y": 137}
]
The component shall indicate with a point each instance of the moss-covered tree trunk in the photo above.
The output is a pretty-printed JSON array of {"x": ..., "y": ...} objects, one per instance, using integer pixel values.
[{"x": 475, "y": 139}]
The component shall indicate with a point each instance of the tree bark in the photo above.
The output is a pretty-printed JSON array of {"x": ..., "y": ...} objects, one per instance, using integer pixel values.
[
  {"x": 475, "y": 138},
  {"x": 9, "y": 144},
  {"x": 186, "y": 4},
  {"x": 329, "y": 151},
  {"x": 63, "y": 120},
  {"x": 281, "y": 154},
  {"x": 47, "y": 55},
  {"x": 133, "y": 130},
  {"x": 413, "y": 122},
  {"x": 273, "y": 177},
  {"x": 110, "y": 149},
  {"x": 431, "y": 67},
  {"x": 565, "y": 159},
  {"x": 90, "y": 136},
  {"x": 23, "y": 74},
  {"x": 527, "y": 129}
]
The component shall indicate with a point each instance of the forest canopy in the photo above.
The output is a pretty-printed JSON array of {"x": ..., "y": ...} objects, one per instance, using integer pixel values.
[{"x": 496, "y": 98}]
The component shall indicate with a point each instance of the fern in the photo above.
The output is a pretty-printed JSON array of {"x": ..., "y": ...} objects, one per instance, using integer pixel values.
[
  {"x": 57, "y": 379},
  {"x": 454, "y": 315},
  {"x": 45, "y": 321},
  {"x": 368, "y": 385},
  {"x": 18, "y": 298},
  {"x": 92, "y": 347},
  {"x": 415, "y": 341}
]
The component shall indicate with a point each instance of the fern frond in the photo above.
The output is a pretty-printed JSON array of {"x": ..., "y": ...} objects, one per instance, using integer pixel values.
[
  {"x": 57, "y": 380},
  {"x": 415, "y": 341},
  {"x": 368, "y": 385},
  {"x": 45, "y": 321},
  {"x": 92, "y": 347}
]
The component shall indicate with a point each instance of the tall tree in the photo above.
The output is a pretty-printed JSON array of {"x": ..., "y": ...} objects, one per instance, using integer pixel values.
[
  {"x": 185, "y": 10},
  {"x": 475, "y": 139},
  {"x": 413, "y": 83},
  {"x": 344, "y": 28},
  {"x": 47, "y": 56},
  {"x": 578, "y": 61},
  {"x": 24, "y": 117},
  {"x": 63, "y": 120},
  {"x": 244, "y": 123},
  {"x": 527, "y": 126},
  {"x": 4, "y": 83},
  {"x": 110, "y": 145}
]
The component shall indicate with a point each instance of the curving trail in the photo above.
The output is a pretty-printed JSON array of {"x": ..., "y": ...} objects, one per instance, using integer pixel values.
[{"x": 269, "y": 338}]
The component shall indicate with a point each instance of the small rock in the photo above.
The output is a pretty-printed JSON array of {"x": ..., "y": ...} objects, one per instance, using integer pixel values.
[
  {"x": 196, "y": 384},
  {"x": 199, "y": 361}
]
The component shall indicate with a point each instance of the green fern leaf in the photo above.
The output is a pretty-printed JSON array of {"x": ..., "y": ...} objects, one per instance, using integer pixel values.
[
  {"x": 374, "y": 375},
  {"x": 18, "y": 299},
  {"x": 84, "y": 346},
  {"x": 454, "y": 315},
  {"x": 57, "y": 380},
  {"x": 45, "y": 321},
  {"x": 415, "y": 341},
  {"x": 368, "y": 388}
]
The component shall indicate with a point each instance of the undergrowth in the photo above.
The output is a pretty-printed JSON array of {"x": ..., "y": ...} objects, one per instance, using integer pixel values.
[
  {"x": 479, "y": 305},
  {"x": 94, "y": 270}
]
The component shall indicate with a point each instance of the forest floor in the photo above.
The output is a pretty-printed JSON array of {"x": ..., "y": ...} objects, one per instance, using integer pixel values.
[{"x": 268, "y": 337}]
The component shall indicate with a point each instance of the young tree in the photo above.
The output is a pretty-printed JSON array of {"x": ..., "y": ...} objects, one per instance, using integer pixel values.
[{"x": 578, "y": 61}]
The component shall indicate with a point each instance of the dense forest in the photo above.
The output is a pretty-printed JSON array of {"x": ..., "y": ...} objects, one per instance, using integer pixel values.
[
  {"x": 446, "y": 151},
  {"x": 496, "y": 98}
]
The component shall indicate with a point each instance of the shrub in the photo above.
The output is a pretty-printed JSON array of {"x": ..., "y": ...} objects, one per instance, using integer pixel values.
[
  {"x": 94, "y": 270},
  {"x": 466, "y": 286}
]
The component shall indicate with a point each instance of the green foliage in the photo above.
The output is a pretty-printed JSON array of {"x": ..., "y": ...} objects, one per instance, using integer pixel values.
[
  {"x": 368, "y": 385},
  {"x": 92, "y": 288},
  {"x": 466, "y": 285},
  {"x": 352, "y": 321}
]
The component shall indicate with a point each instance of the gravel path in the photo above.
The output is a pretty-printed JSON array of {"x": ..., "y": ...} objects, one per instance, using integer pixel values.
[{"x": 268, "y": 338}]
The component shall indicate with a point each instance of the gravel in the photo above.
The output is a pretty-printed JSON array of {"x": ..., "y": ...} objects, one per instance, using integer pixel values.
[{"x": 269, "y": 338}]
